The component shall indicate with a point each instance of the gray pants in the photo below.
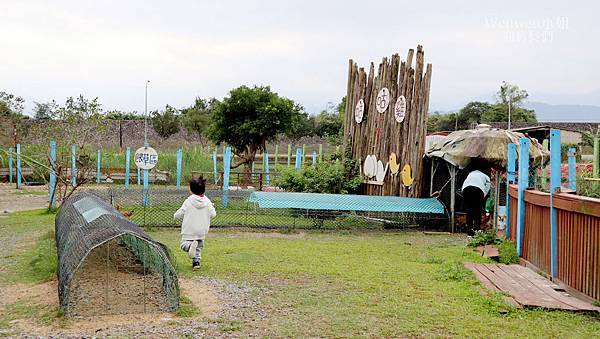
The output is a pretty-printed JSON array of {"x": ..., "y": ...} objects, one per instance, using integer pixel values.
[{"x": 185, "y": 245}]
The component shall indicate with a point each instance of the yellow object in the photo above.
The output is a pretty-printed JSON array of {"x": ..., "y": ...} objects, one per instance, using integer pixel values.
[
  {"x": 394, "y": 166},
  {"x": 407, "y": 179}
]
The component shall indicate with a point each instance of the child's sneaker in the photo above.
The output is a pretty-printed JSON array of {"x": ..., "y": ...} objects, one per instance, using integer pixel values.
[
  {"x": 196, "y": 265},
  {"x": 192, "y": 249}
]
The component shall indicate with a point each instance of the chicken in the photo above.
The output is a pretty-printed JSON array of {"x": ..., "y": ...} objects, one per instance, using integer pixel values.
[
  {"x": 394, "y": 165},
  {"x": 407, "y": 178}
]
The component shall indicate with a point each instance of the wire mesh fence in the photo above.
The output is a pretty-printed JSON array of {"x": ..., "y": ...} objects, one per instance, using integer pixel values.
[
  {"x": 156, "y": 206},
  {"x": 108, "y": 265}
]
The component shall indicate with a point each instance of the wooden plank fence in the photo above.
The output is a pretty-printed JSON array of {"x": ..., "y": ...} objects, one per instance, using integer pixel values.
[{"x": 578, "y": 237}]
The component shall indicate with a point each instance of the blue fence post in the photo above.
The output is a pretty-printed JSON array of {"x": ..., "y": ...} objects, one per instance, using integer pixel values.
[
  {"x": 314, "y": 158},
  {"x": 510, "y": 179},
  {"x": 139, "y": 176},
  {"x": 179, "y": 160},
  {"x": 145, "y": 187},
  {"x": 73, "y": 166},
  {"x": 226, "y": 172},
  {"x": 18, "y": 166},
  {"x": 267, "y": 179},
  {"x": 298, "y": 159},
  {"x": 572, "y": 168},
  {"x": 127, "y": 156},
  {"x": 52, "y": 174},
  {"x": 10, "y": 165},
  {"x": 215, "y": 174},
  {"x": 523, "y": 184},
  {"x": 98, "y": 169},
  {"x": 555, "y": 178}
]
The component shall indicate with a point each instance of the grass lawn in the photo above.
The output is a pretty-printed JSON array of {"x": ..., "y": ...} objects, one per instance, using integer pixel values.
[{"x": 334, "y": 284}]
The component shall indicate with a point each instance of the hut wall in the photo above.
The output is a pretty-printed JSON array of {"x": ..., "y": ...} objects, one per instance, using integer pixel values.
[{"x": 380, "y": 134}]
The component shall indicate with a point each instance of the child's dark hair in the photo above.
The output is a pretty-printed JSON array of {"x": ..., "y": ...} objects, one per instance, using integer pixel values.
[{"x": 198, "y": 185}]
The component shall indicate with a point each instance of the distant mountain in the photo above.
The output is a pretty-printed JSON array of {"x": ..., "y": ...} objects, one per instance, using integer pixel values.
[{"x": 565, "y": 113}]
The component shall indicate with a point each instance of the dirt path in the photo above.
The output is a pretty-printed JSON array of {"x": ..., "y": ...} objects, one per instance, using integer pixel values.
[
  {"x": 28, "y": 198},
  {"x": 226, "y": 310}
]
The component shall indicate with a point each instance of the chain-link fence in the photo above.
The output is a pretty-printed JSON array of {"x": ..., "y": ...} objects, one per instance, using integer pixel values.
[
  {"x": 107, "y": 264},
  {"x": 155, "y": 208}
]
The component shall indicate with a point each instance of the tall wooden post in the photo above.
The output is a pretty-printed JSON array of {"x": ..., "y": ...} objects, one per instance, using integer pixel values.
[
  {"x": 215, "y": 174},
  {"x": 555, "y": 178},
  {"x": 572, "y": 168},
  {"x": 298, "y": 159},
  {"x": 596, "y": 168},
  {"x": 320, "y": 152},
  {"x": 452, "y": 170},
  {"x": 510, "y": 179},
  {"x": 73, "y": 166},
  {"x": 523, "y": 184},
  {"x": 146, "y": 184},
  {"x": 10, "y": 165},
  {"x": 266, "y": 169},
  {"x": 52, "y": 174},
  {"x": 179, "y": 161},
  {"x": 98, "y": 168},
  {"x": 18, "y": 166},
  {"x": 544, "y": 169},
  {"x": 226, "y": 173},
  {"x": 127, "y": 163}
]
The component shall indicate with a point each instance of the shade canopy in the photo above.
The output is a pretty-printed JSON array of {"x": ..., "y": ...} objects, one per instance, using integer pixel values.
[
  {"x": 345, "y": 202},
  {"x": 460, "y": 148}
]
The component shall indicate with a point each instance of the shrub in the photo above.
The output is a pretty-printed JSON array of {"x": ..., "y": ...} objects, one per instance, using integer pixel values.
[
  {"x": 482, "y": 238},
  {"x": 323, "y": 178},
  {"x": 508, "y": 252}
]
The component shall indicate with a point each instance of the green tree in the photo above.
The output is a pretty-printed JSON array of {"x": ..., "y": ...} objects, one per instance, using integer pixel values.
[
  {"x": 45, "y": 111},
  {"x": 121, "y": 115},
  {"x": 512, "y": 95},
  {"x": 328, "y": 124},
  {"x": 196, "y": 118},
  {"x": 11, "y": 109},
  {"x": 78, "y": 121},
  {"x": 302, "y": 125},
  {"x": 166, "y": 123},
  {"x": 248, "y": 118}
]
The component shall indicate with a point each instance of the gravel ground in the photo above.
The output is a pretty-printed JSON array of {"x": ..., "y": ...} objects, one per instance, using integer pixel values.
[
  {"x": 12, "y": 200},
  {"x": 240, "y": 315}
]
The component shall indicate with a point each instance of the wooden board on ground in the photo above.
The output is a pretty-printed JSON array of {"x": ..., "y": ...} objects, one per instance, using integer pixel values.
[
  {"x": 489, "y": 251},
  {"x": 527, "y": 288}
]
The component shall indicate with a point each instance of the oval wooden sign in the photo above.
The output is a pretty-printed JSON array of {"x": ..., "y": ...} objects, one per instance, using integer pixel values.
[
  {"x": 383, "y": 100},
  {"x": 400, "y": 109},
  {"x": 359, "y": 111}
]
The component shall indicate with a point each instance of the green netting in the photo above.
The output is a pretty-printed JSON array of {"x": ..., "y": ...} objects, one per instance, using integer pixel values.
[{"x": 345, "y": 202}]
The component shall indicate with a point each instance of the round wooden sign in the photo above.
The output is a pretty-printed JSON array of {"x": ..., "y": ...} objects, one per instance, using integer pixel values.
[
  {"x": 400, "y": 108},
  {"x": 145, "y": 158},
  {"x": 383, "y": 100},
  {"x": 359, "y": 111}
]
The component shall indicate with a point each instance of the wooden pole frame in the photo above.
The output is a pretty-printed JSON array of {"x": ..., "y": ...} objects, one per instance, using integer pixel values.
[
  {"x": 555, "y": 178},
  {"x": 523, "y": 184},
  {"x": 510, "y": 179}
]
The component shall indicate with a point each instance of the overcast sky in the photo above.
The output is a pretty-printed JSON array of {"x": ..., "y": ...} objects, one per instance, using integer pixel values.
[{"x": 54, "y": 49}]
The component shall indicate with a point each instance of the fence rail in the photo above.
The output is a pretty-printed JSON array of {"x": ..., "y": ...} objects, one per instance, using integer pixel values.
[{"x": 578, "y": 237}]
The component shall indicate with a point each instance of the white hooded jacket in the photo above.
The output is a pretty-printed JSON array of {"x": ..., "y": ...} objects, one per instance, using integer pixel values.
[{"x": 196, "y": 211}]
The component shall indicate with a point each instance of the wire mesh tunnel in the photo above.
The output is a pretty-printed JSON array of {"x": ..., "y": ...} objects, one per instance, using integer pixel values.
[{"x": 107, "y": 264}]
